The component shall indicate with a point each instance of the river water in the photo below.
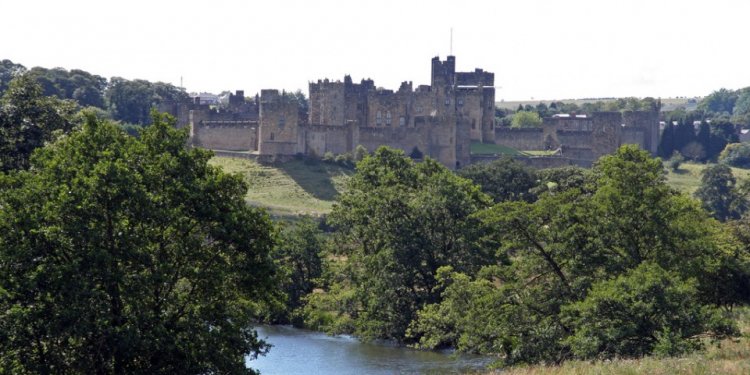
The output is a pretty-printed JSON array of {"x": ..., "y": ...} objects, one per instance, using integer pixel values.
[{"x": 297, "y": 351}]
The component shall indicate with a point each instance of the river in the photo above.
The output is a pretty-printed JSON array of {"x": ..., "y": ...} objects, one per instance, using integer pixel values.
[{"x": 297, "y": 351}]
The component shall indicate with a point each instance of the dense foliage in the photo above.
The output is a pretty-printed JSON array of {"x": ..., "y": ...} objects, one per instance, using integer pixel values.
[
  {"x": 28, "y": 120},
  {"x": 85, "y": 88},
  {"x": 129, "y": 255},
  {"x": 398, "y": 222},
  {"x": 503, "y": 179},
  {"x": 556, "y": 298},
  {"x": 736, "y": 155},
  {"x": 132, "y": 101},
  {"x": 127, "y": 101}
]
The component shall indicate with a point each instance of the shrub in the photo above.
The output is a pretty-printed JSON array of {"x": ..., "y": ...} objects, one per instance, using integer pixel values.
[
  {"x": 736, "y": 155},
  {"x": 675, "y": 161}
]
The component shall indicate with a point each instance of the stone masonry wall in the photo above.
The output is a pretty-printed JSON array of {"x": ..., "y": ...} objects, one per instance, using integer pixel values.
[{"x": 520, "y": 139}]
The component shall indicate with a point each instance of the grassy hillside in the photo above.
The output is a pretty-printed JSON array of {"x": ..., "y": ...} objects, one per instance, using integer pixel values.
[
  {"x": 688, "y": 177},
  {"x": 296, "y": 188},
  {"x": 291, "y": 188}
]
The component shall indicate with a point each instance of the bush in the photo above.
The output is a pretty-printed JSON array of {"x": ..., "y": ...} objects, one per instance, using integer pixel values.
[
  {"x": 524, "y": 119},
  {"x": 359, "y": 153},
  {"x": 648, "y": 310},
  {"x": 675, "y": 161},
  {"x": 736, "y": 155}
]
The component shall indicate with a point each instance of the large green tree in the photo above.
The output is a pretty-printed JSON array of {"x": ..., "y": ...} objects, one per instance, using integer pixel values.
[
  {"x": 131, "y": 101},
  {"x": 503, "y": 179},
  {"x": 397, "y": 223},
  {"x": 28, "y": 120},
  {"x": 129, "y": 255},
  {"x": 8, "y": 71},
  {"x": 719, "y": 195}
]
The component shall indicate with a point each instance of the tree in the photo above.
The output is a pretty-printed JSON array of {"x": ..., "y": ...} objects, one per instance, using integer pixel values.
[
  {"x": 8, "y": 71},
  {"x": 720, "y": 101},
  {"x": 86, "y": 88},
  {"x": 526, "y": 119},
  {"x": 736, "y": 155},
  {"x": 132, "y": 101},
  {"x": 28, "y": 120},
  {"x": 298, "y": 254},
  {"x": 741, "y": 111},
  {"x": 396, "y": 224},
  {"x": 719, "y": 195},
  {"x": 129, "y": 255},
  {"x": 666, "y": 144},
  {"x": 694, "y": 151},
  {"x": 704, "y": 139},
  {"x": 646, "y": 310},
  {"x": 503, "y": 179},
  {"x": 675, "y": 161}
]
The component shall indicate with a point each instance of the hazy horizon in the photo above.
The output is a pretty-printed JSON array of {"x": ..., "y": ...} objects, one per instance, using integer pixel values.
[{"x": 538, "y": 50}]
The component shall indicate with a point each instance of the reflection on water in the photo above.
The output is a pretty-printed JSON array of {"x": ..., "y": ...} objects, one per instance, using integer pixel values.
[{"x": 297, "y": 351}]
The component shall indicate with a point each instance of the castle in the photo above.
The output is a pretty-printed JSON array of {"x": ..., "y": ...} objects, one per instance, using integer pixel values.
[{"x": 440, "y": 121}]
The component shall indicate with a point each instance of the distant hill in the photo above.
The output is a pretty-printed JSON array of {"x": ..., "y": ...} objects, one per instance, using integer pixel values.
[{"x": 668, "y": 104}]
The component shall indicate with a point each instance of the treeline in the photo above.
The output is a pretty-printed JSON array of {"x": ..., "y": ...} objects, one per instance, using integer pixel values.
[
  {"x": 127, "y": 101},
  {"x": 532, "y": 115},
  {"x": 529, "y": 266}
]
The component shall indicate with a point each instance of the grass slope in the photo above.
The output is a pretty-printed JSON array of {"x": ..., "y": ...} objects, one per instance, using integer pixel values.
[
  {"x": 289, "y": 189},
  {"x": 688, "y": 178}
]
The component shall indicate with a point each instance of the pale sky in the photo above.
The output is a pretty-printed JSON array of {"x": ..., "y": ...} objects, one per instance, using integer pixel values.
[{"x": 540, "y": 49}]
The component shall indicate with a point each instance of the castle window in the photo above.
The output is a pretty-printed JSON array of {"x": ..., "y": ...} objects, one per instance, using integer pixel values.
[
  {"x": 447, "y": 102},
  {"x": 282, "y": 121},
  {"x": 378, "y": 118},
  {"x": 473, "y": 124},
  {"x": 402, "y": 121},
  {"x": 388, "y": 118},
  {"x": 272, "y": 136},
  {"x": 460, "y": 102},
  {"x": 419, "y": 109}
]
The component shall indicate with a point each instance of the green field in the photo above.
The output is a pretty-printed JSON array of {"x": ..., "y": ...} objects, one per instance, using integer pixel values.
[
  {"x": 688, "y": 177},
  {"x": 289, "y": 189}
]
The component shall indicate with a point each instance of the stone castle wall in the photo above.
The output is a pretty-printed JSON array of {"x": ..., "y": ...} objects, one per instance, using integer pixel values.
[
  {"x": 520, "y": 139},
  {"x": 583, "y": 138}
]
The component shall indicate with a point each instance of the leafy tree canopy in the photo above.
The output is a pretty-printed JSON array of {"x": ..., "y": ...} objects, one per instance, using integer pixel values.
[
  {"x": 28, "y": 120},
  {"x": 600, "y": 271},
  {"x": 129, "y": 255},
  {"x": 526, "y": 119},
  {"x": 397, "y": 223}
]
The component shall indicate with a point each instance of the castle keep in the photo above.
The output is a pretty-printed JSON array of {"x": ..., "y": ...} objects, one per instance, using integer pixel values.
[{"x": 439, "y": 120}]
